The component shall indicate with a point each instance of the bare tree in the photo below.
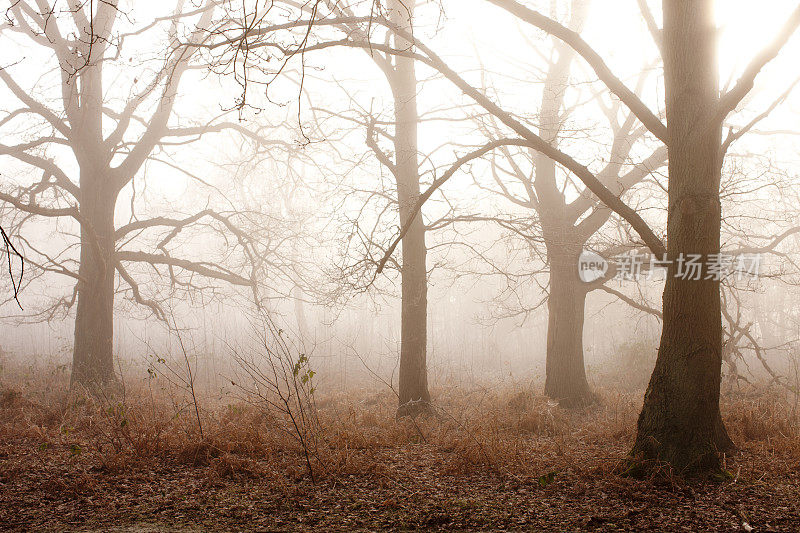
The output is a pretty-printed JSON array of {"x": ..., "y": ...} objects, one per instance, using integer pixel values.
[
  {"x": 108, "y": 146},
  {"x": 567, "y": 215},
  {"x": 403, "y": 164}
]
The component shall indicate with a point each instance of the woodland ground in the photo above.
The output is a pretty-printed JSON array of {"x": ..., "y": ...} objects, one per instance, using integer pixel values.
[{"x": 492, "y": 459}]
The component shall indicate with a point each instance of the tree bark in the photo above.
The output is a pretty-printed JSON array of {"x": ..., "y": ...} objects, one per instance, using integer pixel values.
[
  {"x": 413, "y": 375},
  {"x": 93, "y": 358},
  {"x": 680, "y": 422},
  {"x": 566, "y": 376}
]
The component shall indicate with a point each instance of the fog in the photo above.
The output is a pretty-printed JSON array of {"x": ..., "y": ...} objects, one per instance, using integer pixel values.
[{"x": 589, "y": 202}]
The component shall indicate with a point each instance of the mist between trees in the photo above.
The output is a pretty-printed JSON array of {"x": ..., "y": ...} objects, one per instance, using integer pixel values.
[{"x": 285, "y": 200}]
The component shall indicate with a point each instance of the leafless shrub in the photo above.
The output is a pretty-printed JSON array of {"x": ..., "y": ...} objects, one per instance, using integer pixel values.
[{"x": 277, "y": 378}]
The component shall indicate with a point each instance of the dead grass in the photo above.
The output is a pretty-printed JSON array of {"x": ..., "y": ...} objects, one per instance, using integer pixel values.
[
  {"x": 512, "y": 432},
  {"x": 69, "y": 447}
]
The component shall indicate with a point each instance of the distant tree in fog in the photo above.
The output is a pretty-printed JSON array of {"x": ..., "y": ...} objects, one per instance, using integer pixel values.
[
  {"x": 403, "y": 165},
  {"x": 402, "y": 160},
  {"x": 566, "y": 214}
]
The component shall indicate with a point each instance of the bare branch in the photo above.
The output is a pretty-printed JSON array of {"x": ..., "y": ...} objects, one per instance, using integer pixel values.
[
  {"x": 204, "y": 269},
  {"x": 438, "y": 182},
  {"x": 731, "y": 99}
]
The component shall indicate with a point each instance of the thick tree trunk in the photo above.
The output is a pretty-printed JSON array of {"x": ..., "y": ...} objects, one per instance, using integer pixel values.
[
  {"x": 680, "y": 422},
  {"x": 93, "y": 359},
  {"x": 413, "y": 375},
  {"x": 564, "y": 367},
  {"x": 566, "y": 377}
]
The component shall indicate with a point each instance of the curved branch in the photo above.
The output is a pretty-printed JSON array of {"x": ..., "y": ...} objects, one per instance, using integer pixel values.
[
  {"x": 33, "y": 105},
  {"x": 438, "y": 182},
  {"x": 631, "y": 302},
  {"x": 535, "y": 142},
  {"x": 154, "y": 306}
]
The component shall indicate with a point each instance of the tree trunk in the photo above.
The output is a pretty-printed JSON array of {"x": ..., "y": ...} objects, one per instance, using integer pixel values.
[
  {"x": 300, "y": 316},
  {"x": 93, "y": 359},
  {"x": 413, "y": 378},
  {"x": 680, "y": 422},
  {"x": 566, "y": 377}
]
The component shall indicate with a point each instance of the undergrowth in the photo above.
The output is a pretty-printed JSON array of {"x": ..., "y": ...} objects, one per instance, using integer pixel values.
[{"x": 512, "y": 433}]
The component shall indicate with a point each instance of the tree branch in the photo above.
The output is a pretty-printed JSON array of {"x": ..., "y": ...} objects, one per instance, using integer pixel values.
[
  {"x": 576, "y": 42},
  {"x": 731, "y": 99}
]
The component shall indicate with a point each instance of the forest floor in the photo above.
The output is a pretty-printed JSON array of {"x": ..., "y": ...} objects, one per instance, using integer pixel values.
[{"x": 492, "y": 460}]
